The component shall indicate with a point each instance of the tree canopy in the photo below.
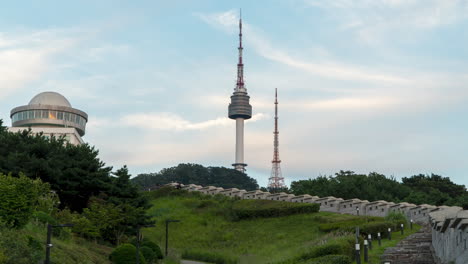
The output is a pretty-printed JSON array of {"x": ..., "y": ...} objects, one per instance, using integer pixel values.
[
  {"x": 418, "y": 189},
  {"x": 197, "y": 174}
]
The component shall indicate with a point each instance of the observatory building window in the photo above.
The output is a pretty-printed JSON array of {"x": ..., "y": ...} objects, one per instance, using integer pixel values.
[
  {"x": 60, "y": 115},
  {"x": 52, "y": 115}
]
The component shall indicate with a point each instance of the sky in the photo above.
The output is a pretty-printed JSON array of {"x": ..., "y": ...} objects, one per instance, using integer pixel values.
[{"x": 363, "y": 85}]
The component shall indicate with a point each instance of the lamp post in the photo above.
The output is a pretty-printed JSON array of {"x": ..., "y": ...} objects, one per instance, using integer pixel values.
[
  {"x": 138, "y": 239},
  {"x": 357, "y": 210},
  {"x": 167, "y": 231},
  {"x": 48, "y": 241}
]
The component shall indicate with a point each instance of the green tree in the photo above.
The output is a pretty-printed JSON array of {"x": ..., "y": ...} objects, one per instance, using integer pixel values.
[
  {"x": 19, "y": 198},
  {"x": 197, "y": 174}
]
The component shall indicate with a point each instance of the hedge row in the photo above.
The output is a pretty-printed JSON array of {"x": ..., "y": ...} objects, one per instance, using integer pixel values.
[
  {"x": 210, "y": 257},
  {"x": 245, "y": 209},
  {"x": 364, "y": 228},
  {"x": 343, "y": 247}
]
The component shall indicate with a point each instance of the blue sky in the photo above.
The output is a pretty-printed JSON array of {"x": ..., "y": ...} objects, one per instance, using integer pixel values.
[{"x": 364, "y": 85}]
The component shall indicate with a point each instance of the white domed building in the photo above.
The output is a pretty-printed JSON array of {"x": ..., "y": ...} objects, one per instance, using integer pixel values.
[{"x": 52, "y": 114}]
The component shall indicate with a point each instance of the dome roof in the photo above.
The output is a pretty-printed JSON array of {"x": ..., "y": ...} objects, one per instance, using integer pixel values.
[{"x": 50, "y": 98}]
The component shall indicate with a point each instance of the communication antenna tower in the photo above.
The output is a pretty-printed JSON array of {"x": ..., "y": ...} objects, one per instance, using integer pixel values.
[{"x": 276, "y": 180}]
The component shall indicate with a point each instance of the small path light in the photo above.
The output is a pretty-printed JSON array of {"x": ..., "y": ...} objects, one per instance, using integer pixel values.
[
  {"x": 369, "y": 238},
  {"x": 167, "y": 231},
  {"x": 366, "y": 251},
  {"x": 402, "y": 229},
  {"x": 411, "y": 224},
  {"x": 379, "y": 238},
  {"x": 358, "y": 253},
  {"x": 49, "y": 244},
  {"x": 389, "y": 234},
  {"x": 357, "y": 210}
]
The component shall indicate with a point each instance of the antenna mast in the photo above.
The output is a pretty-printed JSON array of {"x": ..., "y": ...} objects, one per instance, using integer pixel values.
[{"x": 276, "y": 180}]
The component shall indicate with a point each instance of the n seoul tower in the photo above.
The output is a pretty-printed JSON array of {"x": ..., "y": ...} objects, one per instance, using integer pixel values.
[{"x": 239, "y": 108}]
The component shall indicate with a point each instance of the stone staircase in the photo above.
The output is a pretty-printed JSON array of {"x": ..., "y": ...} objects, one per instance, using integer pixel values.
[{"x": 415, "y": 249}]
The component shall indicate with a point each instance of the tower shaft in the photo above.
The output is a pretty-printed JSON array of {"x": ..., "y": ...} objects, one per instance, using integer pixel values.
[
  {"x": 276, "y": 180},
  {"x": 239, "y": 165}
]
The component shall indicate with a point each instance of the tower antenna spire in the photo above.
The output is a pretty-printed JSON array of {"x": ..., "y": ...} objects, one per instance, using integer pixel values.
[
  {"x": 276, "y": 180},
  {"x": 240, "y": 65}
]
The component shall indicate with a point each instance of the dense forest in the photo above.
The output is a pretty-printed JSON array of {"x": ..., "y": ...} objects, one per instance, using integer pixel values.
[
  {"x": 419, "y": 189},
  {"x": 197, "y": 174}
]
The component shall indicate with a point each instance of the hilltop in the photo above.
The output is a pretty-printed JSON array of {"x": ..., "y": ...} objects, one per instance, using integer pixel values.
[{"x": 219, "y": 229}]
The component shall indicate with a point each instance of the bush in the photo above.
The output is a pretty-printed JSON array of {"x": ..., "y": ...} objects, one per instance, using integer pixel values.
[
  {"x": 18, "y": 198},
  {"x": 156, "y": 249},
  {"x": 396, "y": 218},
  {"x": 125, "y": 254},
  {"x": 377, "y": 227},
  {"x": 343, "y": 226},
  {"x": 148, "y": 254},
  {"x": 343, "y": 246},
  {"x": 245, "y": 209},
  {"x": 150, "y": 244},
  {"x": 210, "y": 257},
  {"x": 44, "y": 218}
]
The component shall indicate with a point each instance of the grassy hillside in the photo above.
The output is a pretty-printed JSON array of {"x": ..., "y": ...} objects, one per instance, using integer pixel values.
[
  {"x": 211, "y": 229},
  {"x": 28, "y": 244}
]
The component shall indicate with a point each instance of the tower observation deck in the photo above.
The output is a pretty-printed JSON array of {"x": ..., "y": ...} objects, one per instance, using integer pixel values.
[{"x": 240, "y": 109}]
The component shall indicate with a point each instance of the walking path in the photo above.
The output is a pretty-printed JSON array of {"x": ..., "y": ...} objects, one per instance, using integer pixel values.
[{"x": 415, "y": 249}]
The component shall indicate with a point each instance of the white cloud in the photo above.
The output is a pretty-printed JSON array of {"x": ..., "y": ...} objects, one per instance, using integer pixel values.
[
  {"x": 26, "y": 56},
  {"x": 173, "y": 122},
  {"x": 375, "y": 21}
]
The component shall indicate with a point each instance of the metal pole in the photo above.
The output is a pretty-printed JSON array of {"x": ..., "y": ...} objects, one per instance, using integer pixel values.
[
  {"x": 137, "y": 256},
  {"x": 167, "y": 234},
  {"x": 379, "y": 238},
  {"x": 357, "y": 235},
  {"x": 366, "y": 252},
  {"x": 48, "y": 244}
]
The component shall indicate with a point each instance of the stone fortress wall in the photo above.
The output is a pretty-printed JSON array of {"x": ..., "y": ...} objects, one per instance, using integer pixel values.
[{"x": 449, "y": 223}]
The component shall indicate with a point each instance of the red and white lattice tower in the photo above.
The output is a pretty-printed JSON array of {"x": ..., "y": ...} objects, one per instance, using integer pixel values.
[{"x": 276, "y": 180}]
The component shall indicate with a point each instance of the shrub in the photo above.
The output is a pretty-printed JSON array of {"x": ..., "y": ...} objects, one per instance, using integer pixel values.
[
  {"x": 210, "y": 257},
  {"x": 343, "y": 226},
  {"x": 342, "y": 246},
  {"x": 156, "y": 249},
  {"x": 396, "y": 218},
  {"x": 44, "y": 218},
  {"x": 376, "y": 227},
  {"x": 18, "y": 198},
  {"x": 153, "y": 246},
  {"x": 245, "y": 209},
  {"x": 148, "y": 254},
  {"x": 125, "y": 254}
]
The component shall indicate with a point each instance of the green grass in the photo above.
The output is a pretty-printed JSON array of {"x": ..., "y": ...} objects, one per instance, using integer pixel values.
[
  {"x": 204, "y": 227},
  {"x": 66, "y": 248}
]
